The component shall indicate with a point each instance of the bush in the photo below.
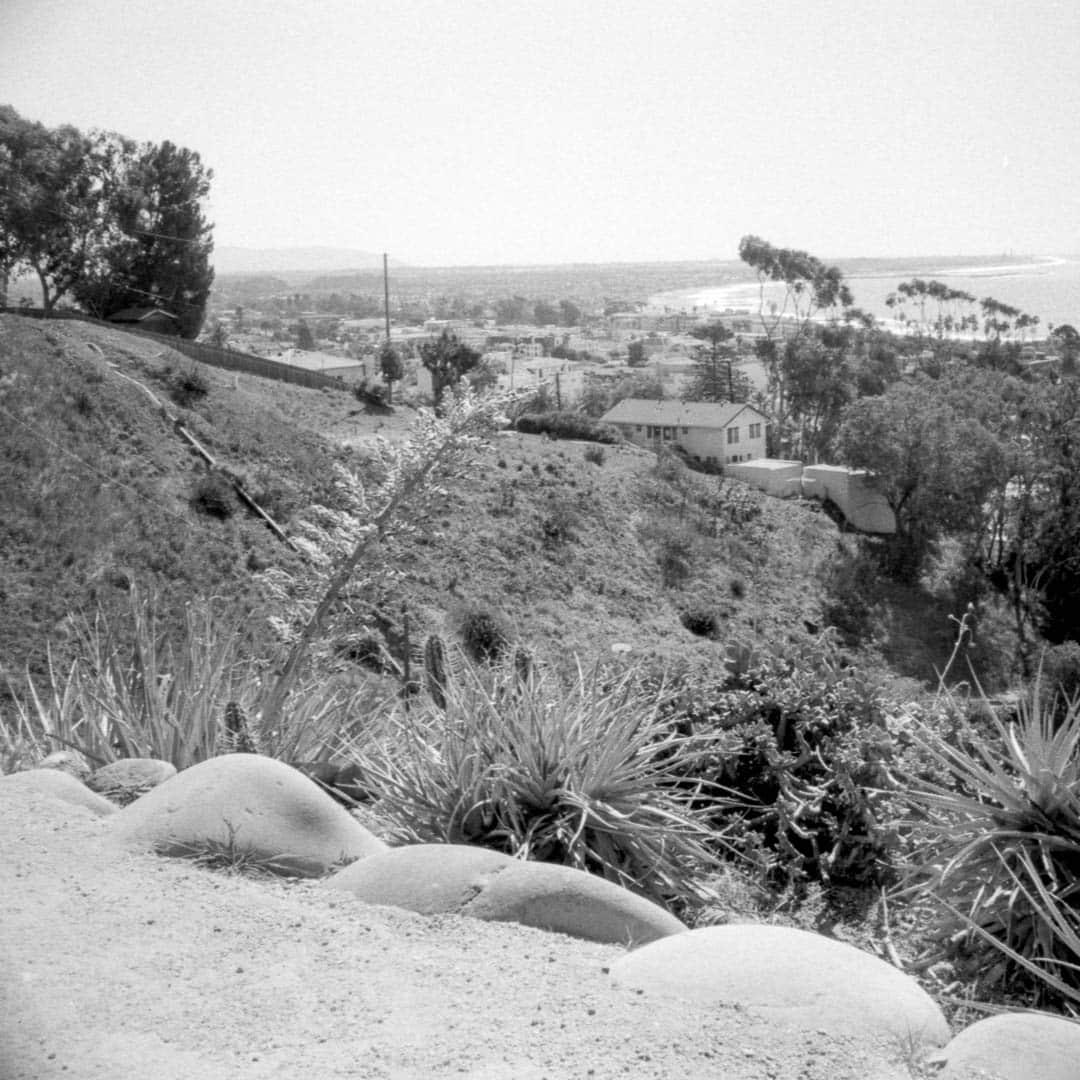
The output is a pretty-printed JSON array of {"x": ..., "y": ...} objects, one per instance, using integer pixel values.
[
  {"x": 561, "y": 523},
  {"x": 213, "y": 495},
  {"x": 675, "y": 556},
  {"x": 188, "y": 387},
  {"x": 568, "y": 425},
  {"x": 999, "y": 840},
  {"x": 701, "y": 623},
  {"x": 595, "y": 454},
  {"x": 802, "y": 746},
  {"x": 851, "y": 584},
  {"x": 585, "y": 776},
  {"x": 485, "y": 636}
]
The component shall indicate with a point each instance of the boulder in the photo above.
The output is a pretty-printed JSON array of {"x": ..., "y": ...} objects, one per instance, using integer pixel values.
[
  {"x": 245, "y": 807},
  {"x": 124, "y": 781},
  {"x": 1013, "y": 1046},
  {"x": 58, "y": 785},
  {"x": 455, "y": 878},
  {"x": 804, "y": 980}
]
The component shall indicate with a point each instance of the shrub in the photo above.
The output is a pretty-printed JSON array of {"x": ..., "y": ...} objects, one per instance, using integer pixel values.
[
  {"x": 999, "y": 837},
  {"x": 701, "y": 623},
  {"x": 595, "y": 454},
  {"x": 801, "y": 745},
  {"x": 568, "y": 425},
  {"x": 213, "y": 495},
  {"x": 851, "y": 602},
  {"x": 188, "y": 387},
  {"x": 561, "y": 523},
  {"x": 136, "y": 691},
  {"x": 485, "y": 635},
  {"x": 675, "y": 556},
  {"x": 585, "y": 776}
]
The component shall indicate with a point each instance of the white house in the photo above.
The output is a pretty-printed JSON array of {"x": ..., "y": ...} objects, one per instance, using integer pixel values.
[{"x": 713, "y": 434}]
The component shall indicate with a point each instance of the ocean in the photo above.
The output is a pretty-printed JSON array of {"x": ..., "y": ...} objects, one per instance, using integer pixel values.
[{"x": 1048, "y": 287}]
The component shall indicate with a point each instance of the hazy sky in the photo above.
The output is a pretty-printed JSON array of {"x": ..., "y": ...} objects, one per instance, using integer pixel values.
[{"x": 463, "y": 131}]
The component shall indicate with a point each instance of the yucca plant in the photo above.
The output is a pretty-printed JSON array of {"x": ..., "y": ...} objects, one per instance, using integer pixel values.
[
  {"x": 1001, "y": 828},
  {"x": 586, "y": 775},
  {"x": 135, "y": 692}
]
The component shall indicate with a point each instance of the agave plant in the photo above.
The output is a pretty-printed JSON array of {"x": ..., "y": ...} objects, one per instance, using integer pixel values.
[
  {"x": 587, "y": 775},
  {"x": 135, "y": 692},
  {"x": 1002, "y": 829}
]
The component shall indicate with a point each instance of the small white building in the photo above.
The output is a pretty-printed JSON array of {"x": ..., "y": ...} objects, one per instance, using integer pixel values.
[
  {"x": 852, "y": 491},
  {"x": 351, "y": 369},
  {"x": 714, "y": 434}
]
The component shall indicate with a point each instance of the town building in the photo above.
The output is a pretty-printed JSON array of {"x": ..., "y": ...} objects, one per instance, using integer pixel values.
[{"x": 712, "y": 433}]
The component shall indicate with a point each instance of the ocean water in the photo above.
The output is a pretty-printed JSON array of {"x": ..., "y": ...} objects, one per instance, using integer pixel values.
[{"x": 1048, "y": 288}]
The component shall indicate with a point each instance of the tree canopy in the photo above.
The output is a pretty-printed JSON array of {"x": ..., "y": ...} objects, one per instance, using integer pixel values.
[
  {"x": 448, "y": 359},
  {"x": 110, "y": 222}
]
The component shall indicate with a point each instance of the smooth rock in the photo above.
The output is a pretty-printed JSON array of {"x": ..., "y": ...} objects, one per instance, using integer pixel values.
[
  {"x": 1013, "y": 1046},
  {"x": 483, "y": 884},
  {"x": 124, "y": 781},
  {"x": 246, "y": 806},
  {"x": 58, "y": 785},
  {"x": 802, "y": 979}
]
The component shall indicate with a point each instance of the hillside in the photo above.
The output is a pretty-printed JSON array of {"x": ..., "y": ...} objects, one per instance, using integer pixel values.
[{"x": 568, "y": 555}]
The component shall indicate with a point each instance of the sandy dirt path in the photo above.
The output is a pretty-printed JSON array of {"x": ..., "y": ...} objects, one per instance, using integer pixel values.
[{"x": 128, "y": 966}]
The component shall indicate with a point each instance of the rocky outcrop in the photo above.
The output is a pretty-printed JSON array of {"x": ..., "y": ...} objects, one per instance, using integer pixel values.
[
  {"x": 245, "y": 808},
  {"x": 455, "y": 878}
]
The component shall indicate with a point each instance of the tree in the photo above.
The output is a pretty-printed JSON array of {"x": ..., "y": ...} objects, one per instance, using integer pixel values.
[
  {"x": 391, "y": 368},
  {"x": 715, "y": 377},
  {"x": 811, "y": 290},
  {"x": 570, "y": 313},
  {"x": 545, "y": 314},
  {"x": 635, "y": 354},
  {"x": 448, "y": 359},
  {"x": 304, "y": 339},
  {"x": 1068, "y": 340},
  {"x": 49, "y": 203},
  {"x": 935, "y": 466},
  {"x": 156, "y": 245}
]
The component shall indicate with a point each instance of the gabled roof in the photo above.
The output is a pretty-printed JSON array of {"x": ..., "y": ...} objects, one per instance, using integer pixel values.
[
  {"x": 137, "y": 314},
  {"x": 698, "y": 414}
]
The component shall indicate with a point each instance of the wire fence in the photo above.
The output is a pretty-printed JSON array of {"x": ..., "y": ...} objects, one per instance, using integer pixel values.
[{"x": 215, "y": 356}]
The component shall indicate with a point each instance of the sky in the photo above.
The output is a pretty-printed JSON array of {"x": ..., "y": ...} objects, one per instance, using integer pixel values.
[{"x": 472, "y": 132}]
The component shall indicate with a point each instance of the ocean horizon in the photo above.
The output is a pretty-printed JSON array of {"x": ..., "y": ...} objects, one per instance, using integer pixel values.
[{"x": 1047, "y": 287}]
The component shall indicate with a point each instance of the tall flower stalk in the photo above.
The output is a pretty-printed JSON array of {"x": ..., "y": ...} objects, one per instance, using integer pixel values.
[{"x": 337, "y": 542}]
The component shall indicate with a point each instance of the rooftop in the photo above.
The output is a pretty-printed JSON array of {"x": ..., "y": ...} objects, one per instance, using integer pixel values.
[{"x": 672, "y": 413}]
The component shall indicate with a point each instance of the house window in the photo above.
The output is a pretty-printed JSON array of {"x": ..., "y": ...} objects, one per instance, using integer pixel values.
[
  {"x": 686, "y": 431},
  {"x": 667, "y": 434},
  {"x": 732, "y": 435},
  {"x": 755, "y": 431},
  {"x": 639, "y": 427}
]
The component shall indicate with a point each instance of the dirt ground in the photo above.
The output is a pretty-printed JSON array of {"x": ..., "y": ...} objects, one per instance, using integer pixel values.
[{"x": 125, "y": 965}]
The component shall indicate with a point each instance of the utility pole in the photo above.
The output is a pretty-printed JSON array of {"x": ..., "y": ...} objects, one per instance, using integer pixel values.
[{"x": 386, "y": 296}]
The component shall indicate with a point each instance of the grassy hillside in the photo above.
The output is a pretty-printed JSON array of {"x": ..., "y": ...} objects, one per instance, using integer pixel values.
[{"x": 573, "y": 549}]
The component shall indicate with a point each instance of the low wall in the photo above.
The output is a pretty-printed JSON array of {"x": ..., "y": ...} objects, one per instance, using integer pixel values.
[{"x": 782, "y": 479}]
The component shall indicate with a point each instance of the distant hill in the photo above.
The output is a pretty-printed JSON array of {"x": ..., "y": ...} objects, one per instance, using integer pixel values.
[{"x": 239, "y": 260}]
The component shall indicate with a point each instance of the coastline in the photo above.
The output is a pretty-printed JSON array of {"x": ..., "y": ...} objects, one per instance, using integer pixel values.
[{"x": 1047, "y": 286}]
